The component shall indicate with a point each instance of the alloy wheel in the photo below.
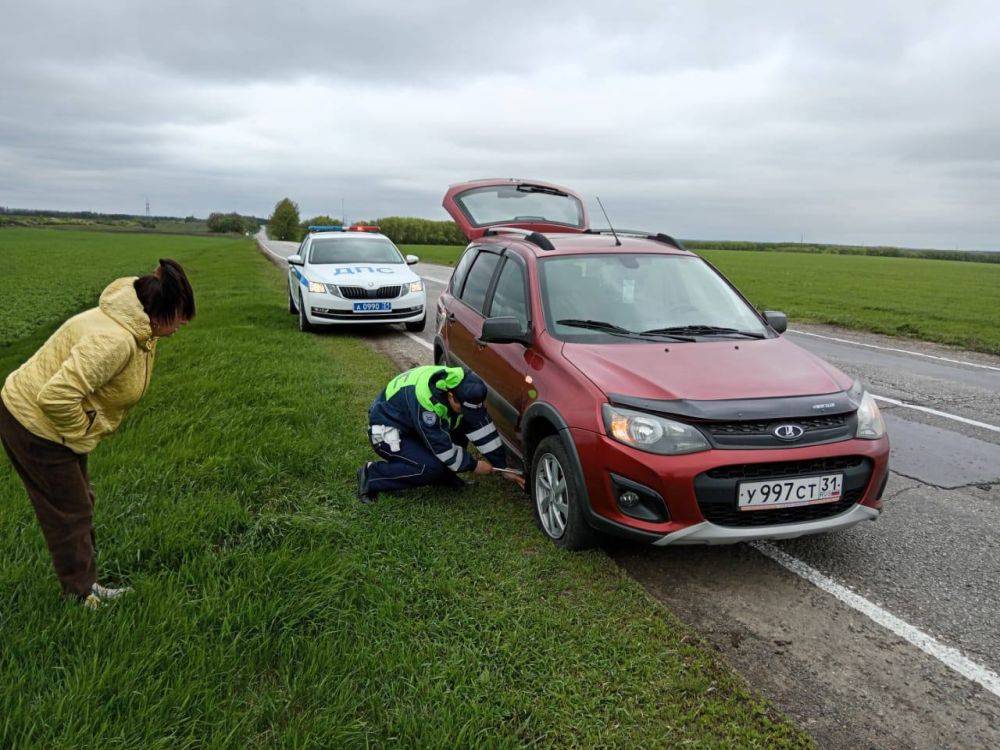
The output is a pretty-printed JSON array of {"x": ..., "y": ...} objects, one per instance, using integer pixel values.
[{"x": 552, "y": 496}]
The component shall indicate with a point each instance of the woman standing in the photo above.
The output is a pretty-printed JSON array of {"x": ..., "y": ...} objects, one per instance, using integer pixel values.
[{"x": 75, "y": 390}]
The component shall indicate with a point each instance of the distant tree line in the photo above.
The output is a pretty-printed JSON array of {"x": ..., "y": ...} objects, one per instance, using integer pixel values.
[
  {"x": 969, "y": 256},
  {"x": 232, "y": 222}
]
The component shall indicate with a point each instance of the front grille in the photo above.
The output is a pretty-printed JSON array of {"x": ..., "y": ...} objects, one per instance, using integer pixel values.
[
  {"x": 382, "y": 292},
  {"x": 811, "y": 424},
  {"x": 829, "y": 428},
  {"x": 785, "y": 468},
  {"x": 716, "y": 490}
]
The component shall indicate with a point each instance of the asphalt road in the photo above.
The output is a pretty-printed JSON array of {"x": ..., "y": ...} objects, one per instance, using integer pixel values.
[{"x": 932, "y": 561}]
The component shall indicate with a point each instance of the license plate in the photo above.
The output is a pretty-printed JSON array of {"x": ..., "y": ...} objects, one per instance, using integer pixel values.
[
  {"x": 786, "y": 493},
  {"x": 363, "y": 307}
]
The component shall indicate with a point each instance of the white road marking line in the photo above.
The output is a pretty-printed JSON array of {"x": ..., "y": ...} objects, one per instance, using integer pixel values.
[
  {"x": 442, "y": 282},
  {"x": 894, "y": 349},
  {"x": 935, "y": 412},
  {"x": 422, "y": 342},
  {"x": 950, "y": 657}
]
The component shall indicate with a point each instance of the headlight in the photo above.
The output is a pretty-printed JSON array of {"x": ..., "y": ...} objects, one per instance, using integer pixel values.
[
  {"x": 316, "y": 288},
  {"x": 651, "y": 433},
  {"x": 334, "y": 290},
  {"x": 870, "y": 424},
  {"x": 417, "y": 286}
]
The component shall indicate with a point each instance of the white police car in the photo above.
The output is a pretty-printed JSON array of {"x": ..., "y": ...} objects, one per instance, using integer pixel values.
[{"x": 353, "y": 275}]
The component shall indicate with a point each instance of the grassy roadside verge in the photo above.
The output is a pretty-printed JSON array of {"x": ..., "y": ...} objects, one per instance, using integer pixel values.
[
  {"x": 949, "y": 302},
  {"x": 271, "y": 609}
]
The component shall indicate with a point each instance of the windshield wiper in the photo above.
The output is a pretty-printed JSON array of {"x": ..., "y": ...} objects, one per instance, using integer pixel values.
[
  {"x": 615, "y": 330},
  {"x": 705, "y": 330}
]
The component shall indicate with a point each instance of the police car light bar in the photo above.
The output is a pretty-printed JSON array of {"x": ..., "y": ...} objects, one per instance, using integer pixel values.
[
  {"x": 321, "y": 228},
  {"x": 363, "y": 228}
]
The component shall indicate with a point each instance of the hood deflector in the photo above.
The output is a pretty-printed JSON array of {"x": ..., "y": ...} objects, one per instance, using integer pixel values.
[{"x": 790, "y": 407}]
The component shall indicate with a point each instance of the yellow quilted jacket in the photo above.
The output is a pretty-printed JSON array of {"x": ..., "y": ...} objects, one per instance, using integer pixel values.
[{"x": 78, "y": 387}]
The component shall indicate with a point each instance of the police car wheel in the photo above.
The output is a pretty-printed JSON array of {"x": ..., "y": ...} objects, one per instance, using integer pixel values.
[
  {"x": 304, "y": 325},
  {"x": 555, "y": 493},
  {"x": 292, "y": 309},
  {"x": 417, "y": 325}
]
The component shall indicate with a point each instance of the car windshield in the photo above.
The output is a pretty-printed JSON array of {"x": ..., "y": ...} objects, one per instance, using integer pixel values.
[
  {"x": 353, "y": 250},
  {"x": 511, "y": 204},
  {"x": 608, "y": 298}
]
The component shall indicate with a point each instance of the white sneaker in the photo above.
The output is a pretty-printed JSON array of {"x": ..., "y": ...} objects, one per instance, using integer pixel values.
[
  {"x": 92, "y": 602},
  {"x": 107, "y": 594}
]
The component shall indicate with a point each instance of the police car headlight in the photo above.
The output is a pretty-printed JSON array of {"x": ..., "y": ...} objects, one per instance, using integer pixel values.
[
  {"x": 417, "y": 286},
  {"x": 648, "y": 432},
  {"x": 870, "y": 423},
  {"x": 316, "y": 288},
  {"x": 334, "y": 290}
]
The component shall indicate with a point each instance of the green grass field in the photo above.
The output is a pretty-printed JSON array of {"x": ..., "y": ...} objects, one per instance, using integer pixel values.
[
  {"x": 270, "y": 608},
  {"x": 949, "y": 302}
]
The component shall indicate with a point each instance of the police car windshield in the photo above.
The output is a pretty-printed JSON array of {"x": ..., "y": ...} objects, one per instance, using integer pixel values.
[
  {"x": 637, "y": 293},
  {"x": 353, "y": 250}
]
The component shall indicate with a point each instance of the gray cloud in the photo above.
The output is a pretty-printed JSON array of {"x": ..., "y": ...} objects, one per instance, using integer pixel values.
[{"x": 846, "y": 123}]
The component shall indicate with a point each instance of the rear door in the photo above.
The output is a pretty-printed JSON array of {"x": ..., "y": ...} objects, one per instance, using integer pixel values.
[{"x": 536, "y": 206}]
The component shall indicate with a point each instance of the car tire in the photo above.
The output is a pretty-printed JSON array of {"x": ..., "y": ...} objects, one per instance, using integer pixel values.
[
  {"x": 551, "y": 461},
  {"x": 417, "y": 326},
  {"x": 304, "y": 325},
  {"x": 292, "y": 309}
]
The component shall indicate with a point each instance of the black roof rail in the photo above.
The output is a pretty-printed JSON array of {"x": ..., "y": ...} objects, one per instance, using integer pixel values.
[
  {"x": 535, "y": 238},
  {"x": 667, "y": 240}
]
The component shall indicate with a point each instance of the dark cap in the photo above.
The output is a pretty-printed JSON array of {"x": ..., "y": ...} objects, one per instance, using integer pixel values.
[{"x": 471, "y": 391}]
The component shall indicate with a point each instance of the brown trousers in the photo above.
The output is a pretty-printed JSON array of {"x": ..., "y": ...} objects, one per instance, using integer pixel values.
[{"x": 59, "y": 488}]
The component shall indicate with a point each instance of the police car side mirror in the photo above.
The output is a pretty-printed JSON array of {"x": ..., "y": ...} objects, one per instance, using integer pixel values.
[
  {"x": 506, "y": 330},
  {"x": 412, "y": 260},
  {"x": 777, "y": 320},
  {"x": 296, "y": 260}
]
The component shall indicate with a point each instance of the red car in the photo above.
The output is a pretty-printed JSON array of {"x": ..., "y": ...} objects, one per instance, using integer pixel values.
[{"x": 645, "y": 395}]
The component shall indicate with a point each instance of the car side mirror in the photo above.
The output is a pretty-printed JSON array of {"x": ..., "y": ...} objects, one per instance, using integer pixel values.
[
  {"x": 412, "y": 260},
  {"x": 506, "y": 330},
  {"x": 777, "y": 320},
  {"x": 296, "y": 260}
]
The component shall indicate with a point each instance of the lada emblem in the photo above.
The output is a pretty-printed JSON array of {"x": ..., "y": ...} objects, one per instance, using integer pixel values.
[{"x": 788, "y": 432}]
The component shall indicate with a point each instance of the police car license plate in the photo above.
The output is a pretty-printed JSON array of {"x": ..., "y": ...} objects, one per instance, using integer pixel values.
[
  {"x": 367, "y": 307},
  {"x": 786, "y": 493}
]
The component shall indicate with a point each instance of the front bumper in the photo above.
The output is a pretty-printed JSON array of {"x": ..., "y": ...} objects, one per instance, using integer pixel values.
[
  {"x": 326, "y": 309},
  {"x": 691, "y": 495},
  {"x": 709, "y": 533}
]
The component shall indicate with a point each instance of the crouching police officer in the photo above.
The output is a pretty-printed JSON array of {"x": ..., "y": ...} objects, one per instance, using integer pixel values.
[{"x": 422, "y": 424}]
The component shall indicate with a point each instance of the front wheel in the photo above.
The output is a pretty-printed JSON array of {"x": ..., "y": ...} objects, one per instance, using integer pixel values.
[
  {"x": 417, "y": 325},
  {"x": 555, "y": 494},
  {"x": 292, "y": 309},
  {"x": 304, "y": 325}
]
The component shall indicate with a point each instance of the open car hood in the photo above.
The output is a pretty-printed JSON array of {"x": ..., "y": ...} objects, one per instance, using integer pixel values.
[{"x": 525, "y": 204}]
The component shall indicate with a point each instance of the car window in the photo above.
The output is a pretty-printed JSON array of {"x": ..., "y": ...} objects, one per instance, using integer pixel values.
[
  {"x": 638, "y": 292},
  {"x": 462, "y": 269},
  {"x": 478, "y": 282},
  {"x": 353, "y": 250},
  {"x": 509, "y": 299}
]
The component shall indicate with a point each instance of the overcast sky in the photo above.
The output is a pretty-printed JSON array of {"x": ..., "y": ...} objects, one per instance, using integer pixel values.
[{"x": 873, "y": 123}]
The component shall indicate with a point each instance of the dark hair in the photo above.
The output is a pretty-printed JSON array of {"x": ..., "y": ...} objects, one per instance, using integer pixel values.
[{"x": 166, "y": 293}]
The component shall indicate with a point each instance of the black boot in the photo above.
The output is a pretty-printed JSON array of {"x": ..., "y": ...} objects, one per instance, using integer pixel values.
[{"x": 364, "y": 494}]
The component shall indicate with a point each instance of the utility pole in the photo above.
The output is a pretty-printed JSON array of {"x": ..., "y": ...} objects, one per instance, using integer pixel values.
[
  {"x": 343, "y": 216},
  {"x": 147, "y": 207}
]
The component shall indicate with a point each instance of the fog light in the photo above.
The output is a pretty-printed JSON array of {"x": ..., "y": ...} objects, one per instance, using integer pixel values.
[{"x": 628, "y": 499}]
